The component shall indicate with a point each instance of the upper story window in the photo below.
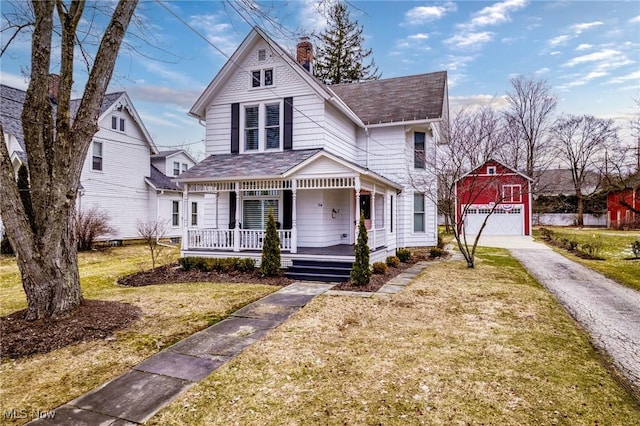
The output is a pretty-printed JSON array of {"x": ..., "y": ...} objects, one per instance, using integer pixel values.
[
  {"x": 175, "y": 213},
  {"x": 418, "y": 150},
  {"x": 262, "y": 124},
  {"x": 262, "y": 78},
  {"x": 262, "y": 54},
  {"x": 491, "y": 170},
  {"x": 117, "y": 123},
  {"x": 185, "y": 167},
  {"x": 176, "y": 168},
  {"x": 418, "y": 212},
  {"x": 512, "y": 193},
  {"x": 96, "y": 157}
]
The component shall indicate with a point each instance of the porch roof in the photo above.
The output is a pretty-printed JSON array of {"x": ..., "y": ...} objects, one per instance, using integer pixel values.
[{"x": 264, "y": 165}]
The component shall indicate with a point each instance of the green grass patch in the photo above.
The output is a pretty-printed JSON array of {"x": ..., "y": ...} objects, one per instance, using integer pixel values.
[
  {"x": 459, "y": 346},
  {"x": 616, "y": 251}
]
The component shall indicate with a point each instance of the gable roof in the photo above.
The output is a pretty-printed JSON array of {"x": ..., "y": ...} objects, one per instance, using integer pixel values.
[
  {"x": 494, "y": 161},
  {"x": 264, "y": 165},
  {"x": 12, "y": 103},
  {"x": 160, "y": 181},
  {"x": 170, "y": 153},
  {"x": 410, "y": 98}
]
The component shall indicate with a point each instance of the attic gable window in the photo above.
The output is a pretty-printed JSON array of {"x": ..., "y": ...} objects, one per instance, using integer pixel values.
[
  {"x": 262, "y": 54},
  {"x": 117, "y": 123},
  {"x": 491, "y": 170},
  {"x": 262, "y": 78}
]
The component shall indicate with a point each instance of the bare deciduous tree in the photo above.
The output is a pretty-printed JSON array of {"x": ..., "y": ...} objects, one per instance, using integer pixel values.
[
  {"x": 581, "y": 143},
  {"x": 56, "y": 145},
  {"x": 529, "y": 116},
  {"x": 151, "y": 233},
  {"x": 92, "y": 224}
]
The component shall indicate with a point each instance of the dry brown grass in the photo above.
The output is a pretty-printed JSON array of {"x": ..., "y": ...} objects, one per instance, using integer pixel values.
[
  {"x": 459, "y": 346},
  {"x": 170, "y": 313}
]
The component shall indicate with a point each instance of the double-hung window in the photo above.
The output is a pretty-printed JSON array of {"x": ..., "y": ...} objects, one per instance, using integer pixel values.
[
  {"x": 96, "y": 158},
  {"x": 256, "y": 207},
  {"x": 185, "y": 167},
  {"x": 418, "y": 150},
  {"x": 418, "y": 212},
  {"x": 175, "y": 213},
  {"x": 117, "y": 123},
  {"x": 262, "y": 78},
  {"x": 512, "y": 193},
  {"x": 176, "y": 168},
  {"x": 194, "y": 214},
  {"x": 262, "y": 127},
  {"x": 251, "y": 129}
]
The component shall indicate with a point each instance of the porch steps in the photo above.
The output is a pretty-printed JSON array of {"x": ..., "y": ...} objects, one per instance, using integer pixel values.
[{"x": 318, "y": 270}]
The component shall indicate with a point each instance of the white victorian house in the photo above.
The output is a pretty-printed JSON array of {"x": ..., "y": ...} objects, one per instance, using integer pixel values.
[{"x": 317, "y": 155}]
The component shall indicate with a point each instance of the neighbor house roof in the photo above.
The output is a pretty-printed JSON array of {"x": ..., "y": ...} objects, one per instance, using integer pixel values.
[
  {"x": 166, "y": 154},
  {"x": 560, "y": 182},
  {"x": 160, "y": 181},
  {"x": 410, "y": 98},
  {"x": 264, "y": 165}
]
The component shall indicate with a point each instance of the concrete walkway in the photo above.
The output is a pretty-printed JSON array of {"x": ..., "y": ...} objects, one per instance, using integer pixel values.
[
  {"x": 610, "y": 312},
  {"x": 135, "y": 396}
]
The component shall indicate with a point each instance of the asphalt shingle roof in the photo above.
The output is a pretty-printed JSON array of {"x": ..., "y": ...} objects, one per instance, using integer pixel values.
[
  {"x": 165, "y": 154},
  {"x": 162, "y": 181},
  {"x": 414, "y": 97},
  {"x": 226, "y": 166}
]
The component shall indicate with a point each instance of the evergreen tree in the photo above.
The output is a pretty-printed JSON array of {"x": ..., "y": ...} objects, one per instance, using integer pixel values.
[
  {"x": 25, "y": 194},
  {"x": 340, "y": 56},
  {"x": 361, "y": 272},
  {"x": 270, "y": 265}
]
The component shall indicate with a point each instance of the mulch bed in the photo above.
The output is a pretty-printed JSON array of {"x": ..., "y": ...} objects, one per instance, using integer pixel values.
[
  {"x": 98, "y": 319},
  {"x": 94, "y": 319}
]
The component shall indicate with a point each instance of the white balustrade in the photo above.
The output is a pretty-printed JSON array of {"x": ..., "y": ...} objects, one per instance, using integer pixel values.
[{"x": 250, "y": 239}]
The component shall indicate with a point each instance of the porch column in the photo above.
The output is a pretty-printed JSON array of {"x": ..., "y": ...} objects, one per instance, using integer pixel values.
[
  {"x": 372, "y": 244},
  {"x": 357, "y": 187},
  {"x": 236, "y": 229},
  {"x": 294, "y": 217},
  {"x": 185, "y": 218}
]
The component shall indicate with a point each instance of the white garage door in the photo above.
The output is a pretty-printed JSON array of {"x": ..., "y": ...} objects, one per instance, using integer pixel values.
[{"x": 501, "y": 222}]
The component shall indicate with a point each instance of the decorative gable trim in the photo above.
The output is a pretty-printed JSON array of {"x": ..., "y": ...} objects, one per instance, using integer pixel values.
[{"x": 123, "y": 102}]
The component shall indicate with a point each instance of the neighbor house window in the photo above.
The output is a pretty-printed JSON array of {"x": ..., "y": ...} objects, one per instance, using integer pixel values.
[
  {"x": 251, "y": 130},
  {"x": 175, "y": 213},
  {"x": 255, "y": 212},
  {"x": 418, "y": 212},
  {"x": 418, "y": 150},
  {"x": 272, "y": 125},
  {"x": 491, "y": 170},
  {"x": 96, "y": 158},
  {"x": 185, "y": 167},
  {"x": 512, "y": 193},
  {"x": 117, "y": 123},
  {"x": 194, "y": 214},
  {"x": 260, "y": 78},
  {"x": 176, "y": 168}
]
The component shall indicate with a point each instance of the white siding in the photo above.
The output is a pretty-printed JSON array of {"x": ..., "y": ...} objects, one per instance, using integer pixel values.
[
  {"x": 318, "y": 226},
  {"x": 325, "y": 167},
  {"x": 340, "y": 134},
  {"x": 165, "y": 165}
]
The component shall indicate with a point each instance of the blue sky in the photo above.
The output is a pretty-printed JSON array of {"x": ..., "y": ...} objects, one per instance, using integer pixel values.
[{"x": 588, "y": 51}]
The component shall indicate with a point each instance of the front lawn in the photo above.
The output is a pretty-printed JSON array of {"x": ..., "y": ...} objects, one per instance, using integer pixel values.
[
  {"x": 616, "y": 251},
  {"x": 169, "y": 313},
  {"x": 459, "y": 346}
]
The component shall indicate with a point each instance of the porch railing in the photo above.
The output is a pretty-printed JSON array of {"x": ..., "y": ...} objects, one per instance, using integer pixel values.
[
  {"x": 223, "y": 239},
  {"x": 376, "y": 239}
]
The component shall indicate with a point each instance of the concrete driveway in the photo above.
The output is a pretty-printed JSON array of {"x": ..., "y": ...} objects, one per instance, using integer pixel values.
[{"x": 609, "y": 311}]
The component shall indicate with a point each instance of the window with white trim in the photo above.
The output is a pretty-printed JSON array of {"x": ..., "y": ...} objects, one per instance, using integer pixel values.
[
  {"x": 491, "y": 170},
  {"x": 117, "y": 123},
  {"x": 176, "y": 168},
  {"x": 96, "y": 157},
  {"x": 512, "y": 193},
  {"x": 256, "y": 206},
  {"x": 185, "y": 167},
  {"x": 175, "y": 213},
  {"x": 262, "y": 78},
  {"x": 262, "y": 126},
  {"x": 418, "y": 212},
  {"x": 418, "y": 150},
  {"x": 194, "y": 214}
]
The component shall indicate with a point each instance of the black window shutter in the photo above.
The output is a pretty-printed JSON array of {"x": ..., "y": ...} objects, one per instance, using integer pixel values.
[
  {"x": 288, "y": 123},
  {"x": 232, "y": 210},
  {"x": 235, "y": 128},
  {"x": 287, "y": 209}
]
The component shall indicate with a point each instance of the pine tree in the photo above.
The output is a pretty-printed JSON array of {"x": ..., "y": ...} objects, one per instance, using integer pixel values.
[
  {"x": 270, "y": 265},
  {"x": 340, "y": 57},
  {"x": 361, "y": 272}
]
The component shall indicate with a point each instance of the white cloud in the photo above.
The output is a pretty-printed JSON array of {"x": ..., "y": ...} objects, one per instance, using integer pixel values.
[
  {"x": 423, "y": 14},
  {"x": 218, "y": 32},
  {"x": 555, "y": 53},
  {"x": 309, "y": 17},
  {"x": 583, "y": 80},
  {"x": 470, "y": 40},
  {"x": 593, "y": 57},
  {"x": 164, "y": 95},
  {"x": 584, "y": 46},
  {"x": 496, "y": 102},
  {"x": 496, "y": 14},
  {"x": 458, "y": 62},
  {"x": 419, "y": 36},
  {"x": 15, "y": 81},
  {"x": 635, "y": 20},
  {"x": 561, "y": 39},
  {"x": 634, "y": 76},
  {"x": 579, "y": 28},
  {"x": 414, "y": 41},
  {"x": 541, "y": 71}
]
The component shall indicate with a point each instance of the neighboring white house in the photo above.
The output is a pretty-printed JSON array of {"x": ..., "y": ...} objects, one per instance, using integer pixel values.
[
  {"x": 317, "y": 155},
  {"x": 123, "y": 174}
]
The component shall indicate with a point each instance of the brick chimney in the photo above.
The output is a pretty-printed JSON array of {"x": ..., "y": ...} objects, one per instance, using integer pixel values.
[
  {"x": 304, "y": 53},
  {"x": 54, "y": 84}
]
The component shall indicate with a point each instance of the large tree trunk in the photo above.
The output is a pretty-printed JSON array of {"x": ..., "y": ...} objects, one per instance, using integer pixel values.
[{"x": 580, "y": 218}]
